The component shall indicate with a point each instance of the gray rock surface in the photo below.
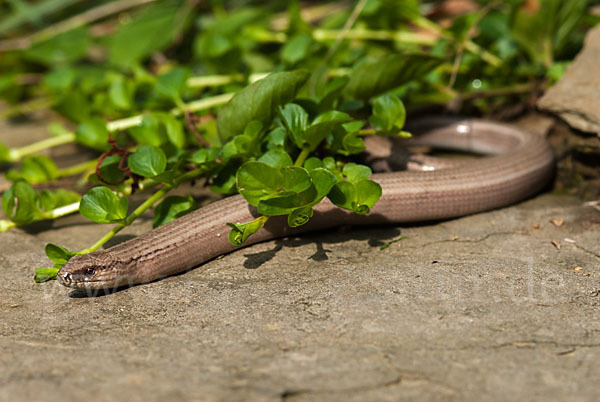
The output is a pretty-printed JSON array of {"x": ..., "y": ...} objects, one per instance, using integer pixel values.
[
  {"x": 576, "y": 96},
  {"x": 482, "y": 308}
]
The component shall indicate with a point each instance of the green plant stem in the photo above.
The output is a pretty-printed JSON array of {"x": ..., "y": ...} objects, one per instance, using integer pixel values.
[
  {"x": 6, "y": 225},
  {"x": 194, "y": 106},
  {"x": 17, "y": 154},
  {"x": 61, "y": 211},
  {"x": 216, "y": 80},
  {"x": 142, "y": 208},
  {"x": 53, "y": 214},
  {"x": 468, "y": 45},
  {"x": 27, "y": 107},
  {"x": 76, "y": 21},
  {"x": 302, "y": 157},
  {"x": 29, "y": 13},
  {"x": 79, "y": 168},
  {"x": 367, "y": 34}
]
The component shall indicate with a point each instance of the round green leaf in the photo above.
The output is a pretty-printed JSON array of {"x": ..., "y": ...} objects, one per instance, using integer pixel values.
[
  {"x": 300, "y": 216},
  {"x": 257, "y": 179},
  {"x": 172, "y": 208},
  {"x": 295, "y": 179},
  {"x": 93, "y": 133},
  {"x": 58, "y": 254},
  {"x": 368, "y": 193},
  {"x": 147, "y": 161},
  {"x": 276, "y": 158},
  {"x": 101, "y": 205},
  {"x": 19, "y": 203},
  {"x": 355, "y": 172}
]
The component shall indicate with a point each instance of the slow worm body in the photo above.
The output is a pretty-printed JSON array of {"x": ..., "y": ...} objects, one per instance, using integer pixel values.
[{"x": 520, "y": 164}]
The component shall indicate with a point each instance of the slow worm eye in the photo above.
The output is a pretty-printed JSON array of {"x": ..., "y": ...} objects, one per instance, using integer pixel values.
[{"x": 90, "y": 271}]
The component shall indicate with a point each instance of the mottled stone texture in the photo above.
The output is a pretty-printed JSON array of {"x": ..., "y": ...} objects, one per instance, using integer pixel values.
[{"x": 576, "y": 96}]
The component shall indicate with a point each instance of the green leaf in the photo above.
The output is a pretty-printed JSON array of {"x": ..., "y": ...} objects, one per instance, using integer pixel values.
[
  {"x": 49, "y": 200},
  {"x": 286, "y": 202},
  {"x": 312, "y": 163},
  {"x": 343, "y": 194},
  {"x": 300, "y": 216},
  {"x": 331, "y": 93},
  {"x": 323, "y": 181},
  {"x": 239, "y": 233},
  {"x": 368, "y": 193},
  {"x": 547, "y": 30},
  {"x": 109, "y": 169},
  {"x": 63, "y": 48},
  {"x": 204, "y": 155},
  {"x": 172, "y": 208},
  {"x": 256, "y": 180},
  {"x": 35, "y": 169},
  {"x": 352, "y": 144},
  {"x": 147, "y": 161},
  {"x": 225, "y": 181},
  {"x": 296, "y": 48},
  {"x": 374, "y": 78},
  {"x": 174, "y": 130},
  {"x": 120, "y": 94},
  {"x": 355, "y": 172},
  {"x": 239, "y": 146},
  {"x": 388, "y": 113},
  {"x": 58, "y": 254},
  {"x": 295, "y": 179},
  {"x": 172, "y": 83},
  {"x": 4, "y": 153},
  {"x": 93, "y": 133},
  {"x": 60, "y": 79},
  {"x": 45, "y": 274},
  {"x": 57, "y": 129},
  {"x": 317, "y": 132},
  {"x": 277, "y": 158},
  {"x": 295, "y": 119},
  {"x": 146, "y": 33},
  {"x": 101, "y": 205},
  {"x": 358, "y": 197},
  {"x": 275, "y": 139},
  {"x": 19, "y": 203},
  {"x": 149, "y": 131},
  {"x": 258, "y": 101}
]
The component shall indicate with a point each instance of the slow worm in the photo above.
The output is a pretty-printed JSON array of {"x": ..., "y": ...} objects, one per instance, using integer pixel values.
[{"x": 518, "y": 165}]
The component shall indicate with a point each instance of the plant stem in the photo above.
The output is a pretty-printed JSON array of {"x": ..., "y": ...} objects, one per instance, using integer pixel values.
[
  {"x": 6, "y": 225},
  {"x": 26, "y": 107},
  {"x": 468, "y": 45},
  {"x": 368, "y": 34},
  {"x": 79, "y": 168},
  {"x": 28, "y": 13},
  {"x": 224, "y": 79},
  {"x": 16, "y": 154},
  {"x": 142, "y": 208},
  {"x": 76, "y": 21},
  {"x": 53, "y": 214},
  {"x": 194, "y": 106},
  {"x": 302, "y": 157},
  {"x": 61, "y": 211}
]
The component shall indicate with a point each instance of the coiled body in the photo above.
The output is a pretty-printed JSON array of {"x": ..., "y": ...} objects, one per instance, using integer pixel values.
[{"x": 520, "y": 164}]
